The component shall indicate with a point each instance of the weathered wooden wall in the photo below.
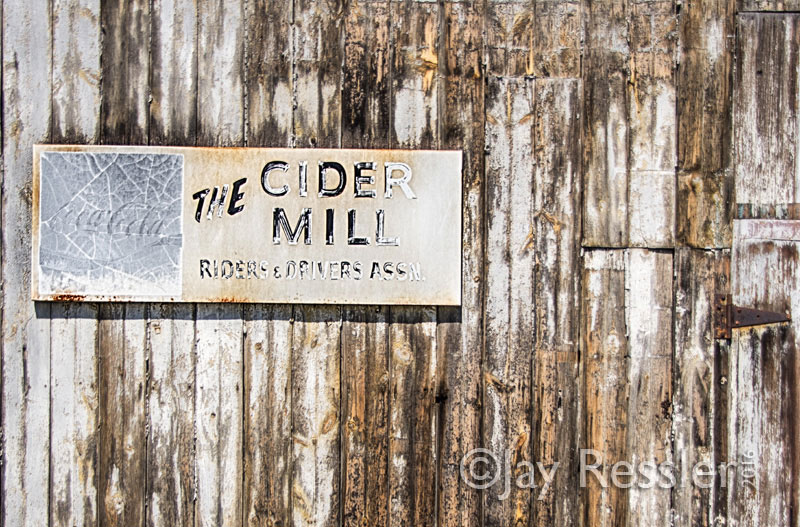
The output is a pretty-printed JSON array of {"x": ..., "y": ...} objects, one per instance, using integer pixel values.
[{"x": 606, "y": 147}]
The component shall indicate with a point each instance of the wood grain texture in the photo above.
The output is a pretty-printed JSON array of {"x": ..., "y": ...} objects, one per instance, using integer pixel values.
[
  {"x": 173, "y": 108},
  {"x": 74, "y": 407},
  {"x": 365, "y": 416},
  {"x": 705, "y": 84},
  {"x": 557, "y": 38},
  {"x": 460, "y": 331},
  {"x": 627, "y": 310},
  {"x": 510, "y": 112},
  {"x": 630, "y": 125},
  {"x": 763, "y": 429},
  {"x": 316, "y": 399},
  {"x": 768, "y": 5},
  {"x": 698, "y": 403},
  {"x": 171, "y": 415},
  {"x": 267, "y": 415},
  {"x": 124, "y": 81},
  {"x": 605, "y": 125},
  {"x": 268, "y": 73},
  {"x": 765, "y": 109},
  {"x": 218, "y": 415},
  {"x": 555, "y": 246},
  {"x": 121, "y": 348},
  {"x": 26, "y": 330},
  {"x": 509, "y": 38}
]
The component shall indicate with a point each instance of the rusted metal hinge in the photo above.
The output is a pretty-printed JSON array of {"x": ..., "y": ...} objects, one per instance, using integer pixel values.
[{"x": 728, "y": 316}]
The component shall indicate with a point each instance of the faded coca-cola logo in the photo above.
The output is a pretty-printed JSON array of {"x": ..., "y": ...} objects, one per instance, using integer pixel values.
[{"x": 130, "y": 219}]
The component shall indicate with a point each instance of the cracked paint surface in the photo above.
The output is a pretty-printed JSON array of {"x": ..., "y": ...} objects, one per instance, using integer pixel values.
[{"x": 110, "y": 224}]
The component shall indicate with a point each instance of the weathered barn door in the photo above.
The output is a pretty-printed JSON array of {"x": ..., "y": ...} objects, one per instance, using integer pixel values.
[{"x": 763, "y": 367}]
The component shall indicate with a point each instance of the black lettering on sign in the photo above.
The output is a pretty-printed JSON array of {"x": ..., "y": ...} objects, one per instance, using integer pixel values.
[
  {"x": 360, "y": 179},
  {"x": 380, "y": 239},
  {"x": 212, "y": 205},
  {"x": 376, "y": 271},
  {"x": 234, "y": 209},
  {"x": 265, "y": 184},
  {"x": 280, "y": 221},
  {"x": 303, "y": 179},
  {"x": 329, "y": 227},
  {"x": 401, "y": 182},
  {"x": 205, "y": 268},
  {"x": 352, "y": 239},
  {"x": 324, "y": 191},
  {"x": 200, "y": 196}
]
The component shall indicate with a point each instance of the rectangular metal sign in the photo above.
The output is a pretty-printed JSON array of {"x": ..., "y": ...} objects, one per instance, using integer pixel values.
[{"x": 318, "y": 226}]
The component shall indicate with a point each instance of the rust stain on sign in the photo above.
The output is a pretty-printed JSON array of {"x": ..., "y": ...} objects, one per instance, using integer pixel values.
[{"x": 247, "y": 225}]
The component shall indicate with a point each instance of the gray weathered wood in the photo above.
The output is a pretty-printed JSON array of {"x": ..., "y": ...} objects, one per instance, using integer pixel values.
[
  {"x": 121, "y": 444},
  {"x": 763, "y": 364},
  {"x": 26, "y": 330},
  {"x": 74, "y": 406},
  {"x": 267, "y": 414},
  {"x": 173, "y": 109},
  {"x": 627, "y": 318},
  {"x": 704, "y": 85},
  {"x": 509, "y": 319},
  {"x": 460, "y": 331},
  {"x": 170, "y": 415},
  {"x": 556, "y": 303},
  {"x": 698, "y": 404},
  {"x": 765, "y": 109}
]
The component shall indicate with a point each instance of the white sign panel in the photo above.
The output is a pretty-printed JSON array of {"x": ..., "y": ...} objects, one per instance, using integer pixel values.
[{"x": 247, "y": 225}]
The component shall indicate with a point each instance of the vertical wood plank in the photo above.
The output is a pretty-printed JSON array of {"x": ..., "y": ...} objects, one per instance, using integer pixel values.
[
  {"x": 267, "y": 433},
  {"x": 763, "y": 429},
  {"x": 412, "y": 461},
  {"x": 652, "y": 30},
  {"x": 317, "y": 41},
  {"x": 510, "y": 37},
  {"x": 316, "y": 372},
  {"x": 768, "y": 5},
  {"x": 125, "y": 69},
  {"x": 121, "y": 348},
  {"x": 317, "y": 45},
  {"x": 219, "y": 396},
  {"x": 76, "y": 70},
  {"x": 765, "y": 109},
  {"x": 170, "y": 404},
  {"x": 555, "y": 245},
  {"x": 26, "y": 330},
  {"x": 74, "y": 396},
  {"x": 415, "y": 118},
  {"x": 364, "y": 351},
  {"x": 365, "y": 416},
  {"x": 605, "y": 124},
  {"x": 173, "y": 109},
  {"x": 218, "y": 414},
  {"x": 628, "y": 337},
  {"x": 460, "y": 331},
  {"x": 704, "y": 82},
  {"x": 605, "y": 382},
  {"x": 696, "y": 398},
  {"x": 171, "y": 473},
  {"x": 509, "y": 320},
  {"x": 557, "y": 38},
  {"x": 73, "y": 450},
  {"x": 268, "y": 72},
  {"x": 649, "y": 308}
]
